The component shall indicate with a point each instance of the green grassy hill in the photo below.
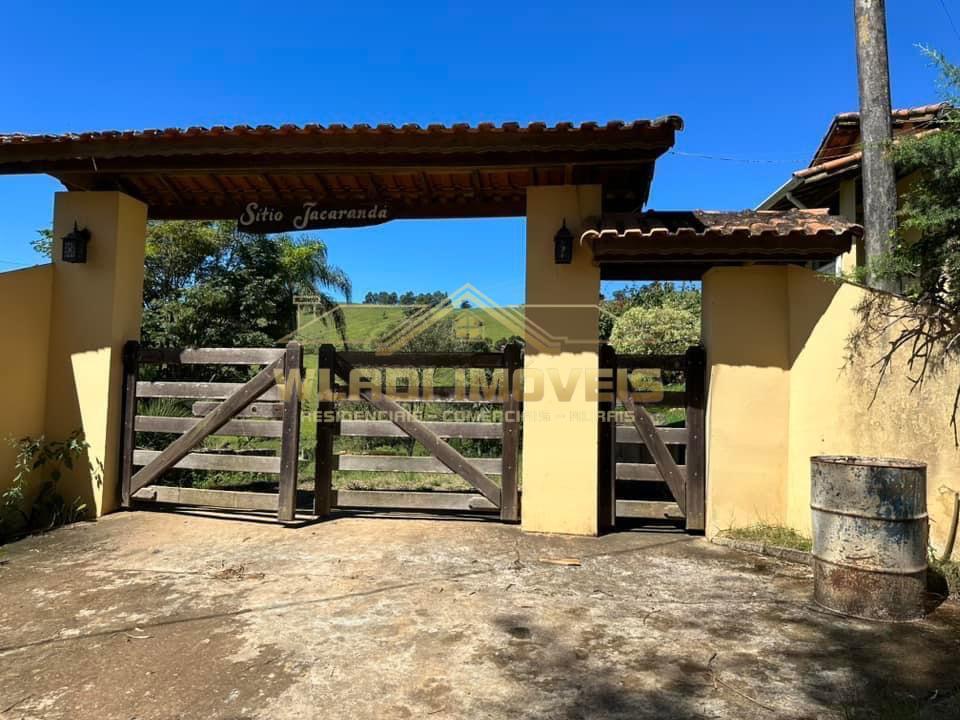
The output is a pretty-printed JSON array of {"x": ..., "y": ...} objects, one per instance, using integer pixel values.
[{"x": 365, "y": 323}]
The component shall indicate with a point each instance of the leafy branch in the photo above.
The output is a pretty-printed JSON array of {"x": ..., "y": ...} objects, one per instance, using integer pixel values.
[
  {"x": 922, "y": 322},
  {"x": 38, "y": 458}
]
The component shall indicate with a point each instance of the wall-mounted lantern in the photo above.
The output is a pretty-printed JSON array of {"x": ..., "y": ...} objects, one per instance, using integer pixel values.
[
  {"x": 75, "y": 245},
  {"x": 563, "y": 245}
]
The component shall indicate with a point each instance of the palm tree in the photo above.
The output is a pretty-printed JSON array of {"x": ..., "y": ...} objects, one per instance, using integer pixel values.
[{"x": 308, "y": 272}]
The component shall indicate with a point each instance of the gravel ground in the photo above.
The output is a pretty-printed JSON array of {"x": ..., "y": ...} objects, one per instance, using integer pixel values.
[{"x": 162, "y": 615}]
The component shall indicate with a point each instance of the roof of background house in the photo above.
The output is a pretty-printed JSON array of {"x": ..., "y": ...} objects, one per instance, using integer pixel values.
[
  {"x": 435, "y": 171},
  {"x": 839, "y": 155},
  {"x": 843, "y": 136}
]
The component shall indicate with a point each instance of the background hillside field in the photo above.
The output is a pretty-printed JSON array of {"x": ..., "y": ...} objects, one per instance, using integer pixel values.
[{"x": 365, "y": 323}]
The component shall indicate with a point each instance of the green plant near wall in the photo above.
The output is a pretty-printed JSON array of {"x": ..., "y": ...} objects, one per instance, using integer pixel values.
[{"x": 24, "y": 509}]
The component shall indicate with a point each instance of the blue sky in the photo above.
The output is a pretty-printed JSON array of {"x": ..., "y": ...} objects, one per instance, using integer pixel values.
[{"x": 755, "y": 81}]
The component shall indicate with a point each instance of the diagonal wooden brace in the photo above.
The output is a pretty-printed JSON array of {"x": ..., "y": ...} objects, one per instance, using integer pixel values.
[
  {"x": 666, "y": 465},
  {"x": 220, "y": 416},
  {"x": 441, "y": 450}
]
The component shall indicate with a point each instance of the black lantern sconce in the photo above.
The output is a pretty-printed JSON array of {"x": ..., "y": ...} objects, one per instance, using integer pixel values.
[
  {"x": 563, "y": 246},
  {"x": 75, "y": 245}
]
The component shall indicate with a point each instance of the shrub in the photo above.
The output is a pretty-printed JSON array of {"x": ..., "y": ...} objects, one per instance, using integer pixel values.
[
  {"x": 23, "y": 510},
  {"x": 655, "y": 331}
]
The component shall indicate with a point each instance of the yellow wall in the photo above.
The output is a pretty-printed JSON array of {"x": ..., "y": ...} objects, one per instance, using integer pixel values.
[
  {"x": 849, "y": 189},
  {"x": 853, "y": 259},
  {"x": 96, "y": 307},
  {"x": 560, "y": 436},
  {"x": 757, "y": 476},
  {"x": 25, "y": 329},
  {"x": 745, "y": 332}
]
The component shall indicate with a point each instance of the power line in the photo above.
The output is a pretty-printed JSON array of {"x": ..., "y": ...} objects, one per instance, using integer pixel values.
[
  {"x": 729, "y": 158},
  {"x": 837, "y": 151},
  {"x": 946, "y": 12}
]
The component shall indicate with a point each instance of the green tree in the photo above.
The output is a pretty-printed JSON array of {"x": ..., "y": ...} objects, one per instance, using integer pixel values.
[
  {"x": 43, "y": 244},
  {"x": 384, "y": 297},
  {"x": 684, "y": 296},
  {"x": 926, "y": 252},
  {"x": 208, "y": 285},
  {"x": 923, "y": 321},
  {"x": 655, "y": 330}
]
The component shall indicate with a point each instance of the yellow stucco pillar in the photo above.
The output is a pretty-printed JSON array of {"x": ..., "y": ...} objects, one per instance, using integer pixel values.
[
  {"x": 560, "y": 367},
  {"x": 746, "y": 330},
  {"x": 96, "y": 307}
]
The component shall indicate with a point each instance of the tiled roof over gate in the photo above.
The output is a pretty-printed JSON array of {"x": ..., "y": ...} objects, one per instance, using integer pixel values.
[
  {"x": 743, "y": 236},
  {"x": 455, "y": 170}
]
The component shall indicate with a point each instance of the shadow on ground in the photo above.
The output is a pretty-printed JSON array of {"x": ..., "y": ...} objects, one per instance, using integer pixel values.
[{"x": 153, "y": 615}]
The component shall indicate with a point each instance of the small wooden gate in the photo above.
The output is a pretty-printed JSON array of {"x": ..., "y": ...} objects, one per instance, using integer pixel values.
[
  {"x": 434, "y": 435},
  {"x": 649, "y": 470},
  {"x": 266, "y": 406}
]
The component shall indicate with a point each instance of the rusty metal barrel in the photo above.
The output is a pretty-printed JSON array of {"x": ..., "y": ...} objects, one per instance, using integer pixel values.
[{"x": 870, "y": 536}]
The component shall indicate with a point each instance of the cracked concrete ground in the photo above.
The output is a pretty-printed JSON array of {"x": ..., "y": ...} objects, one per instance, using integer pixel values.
[{"x": 160, "y": 615}]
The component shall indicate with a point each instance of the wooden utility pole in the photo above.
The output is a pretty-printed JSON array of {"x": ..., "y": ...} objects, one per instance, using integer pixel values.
[{"x": 879, "y": 183}]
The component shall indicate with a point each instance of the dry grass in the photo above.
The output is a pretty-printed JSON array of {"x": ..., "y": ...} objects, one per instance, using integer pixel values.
[
  {"x": 950, "y": 570},
  {"x": 775, "y": 535}
]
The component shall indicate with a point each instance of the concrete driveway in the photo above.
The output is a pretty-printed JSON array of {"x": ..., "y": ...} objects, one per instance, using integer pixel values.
[{"x": 156, "y": 615}]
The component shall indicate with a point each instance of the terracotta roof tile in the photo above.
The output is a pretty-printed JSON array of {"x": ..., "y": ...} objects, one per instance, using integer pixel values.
[
  {"x": 707, "y": 224},
  {"x": 843, "y": 135},
  {"x": 708, "y": 238},
  {"x": 900, "y": 113},
  {"x": 671, "y": 121},
  {"x": 420, "y": 171},
  {"x": 850, "y": 160}
]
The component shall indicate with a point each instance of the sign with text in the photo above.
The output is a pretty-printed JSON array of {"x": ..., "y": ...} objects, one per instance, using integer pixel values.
[{"x": 257, "y": 218}]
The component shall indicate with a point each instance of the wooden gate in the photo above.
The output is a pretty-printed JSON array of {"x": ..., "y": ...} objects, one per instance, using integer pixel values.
[
  {"x": 650, "y": 469},
  {"x": 265, "y": 407},
  {"x": 403, "y": 419},
  {"x": 265, "y": 412}
]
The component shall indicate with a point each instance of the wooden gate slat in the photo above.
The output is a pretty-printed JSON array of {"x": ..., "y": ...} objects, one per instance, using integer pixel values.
[
  {"x": 210, "y": 356},
  {"x": 413, "y": 464},
  {"x": 220, "y": 416},
  {"x": 290, "y": 441},
  {"x": 696, "y": 381},
  {"x": 628, "y": 435},
  {"x": 509, "y": 487},
  {"x": 423, "y": 359},
  {"x": 200, "y": 390},
  {"x": 385, "y": 429},
  {"x": 647, "y": 472},
  {"x": 667, "y": 466},
  {"x": 265, "y": 410},
  {"x": 232, "y": 499},
  {"x": 215, "y": 461},
  {"x": 326, "y": 427},
  {"x": 648, "y": 509},
  {"x": 128, "y": 437},
  {"x": 412, "y": 500},
  {"x": 238, "y": 428},
  {"x": 426, "y": 437}
]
